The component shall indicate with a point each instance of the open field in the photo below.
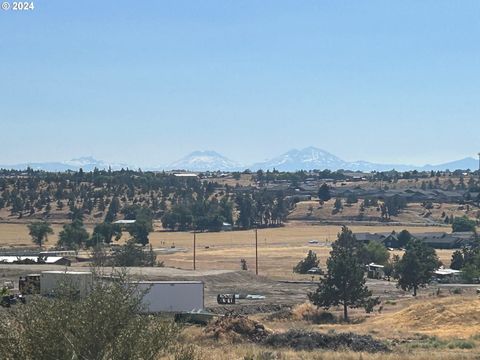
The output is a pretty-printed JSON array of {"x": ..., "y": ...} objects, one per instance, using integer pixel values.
[{"x": 279, "y": 249}]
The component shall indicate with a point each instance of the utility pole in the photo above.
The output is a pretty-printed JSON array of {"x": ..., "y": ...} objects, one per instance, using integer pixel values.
[
  {"x": 256, "y": 250},
  {"x": 194, "y": 249}
]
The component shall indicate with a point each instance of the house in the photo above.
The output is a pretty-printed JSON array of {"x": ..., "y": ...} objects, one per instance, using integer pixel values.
[
  {"x": 366, "y": 237},
  {"x": 391, "y": 241},
  {"x": 185, "y": 175},
  {"x": 437, "y": 240},
  {"x": 443, "y": 275},
  {"x": 125, "y": 222},
  {"x": 440, "y": 240},
  {"x": 227, "y": 226},
  {"x": 50, "y": 260}
]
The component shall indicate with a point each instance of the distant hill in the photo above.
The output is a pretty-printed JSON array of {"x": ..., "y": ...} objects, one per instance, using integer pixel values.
[{"x": 464, "y": 164}]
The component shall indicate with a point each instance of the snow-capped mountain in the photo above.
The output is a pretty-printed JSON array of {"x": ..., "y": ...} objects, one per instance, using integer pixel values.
[
  {"x": 205, "y": 161},
  {"x": 305, "y": 159},
  {"x": 86, "y": 163},
  {"x": 311, "y": 158}
]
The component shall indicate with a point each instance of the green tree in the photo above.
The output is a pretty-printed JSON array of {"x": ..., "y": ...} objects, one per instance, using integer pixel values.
[
  {"x": 374, "y": 252},
  {"x": 470, "y": 273},
  {"x": 246, "y": 209},
  {"x": 106, "y": 324},
  {"x": 306, "y": 264},
  {"x": 39, "y": 232},
  {"x": 113, "y": 209},
  {"x": 403, "y": 238},
  {"x": 337, "y": 205},
  {"x": 463, "y": 223},
  {"x": 416, "y": 267},
  {"x": 352, "y": 199},
  {"x": 73, "y": 236},
  {"x": 139, "y": 231},
  {"x": 132, "y": 255},
  {"x": 344, "y": 283},
  {"x": 104, "y": 232},
  {"x": 324, "y": 192},
  {"x": 457, "y": 261},
  {"x": 75, "y": 214}
]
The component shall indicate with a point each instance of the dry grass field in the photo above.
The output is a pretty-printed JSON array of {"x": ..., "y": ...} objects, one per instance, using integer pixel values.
[
  {"x": 422, "y": 328},
  {"x": 428, "y": 327},
  {"x": 414, "y": 213},
  {"x": 279, "y": 249}
]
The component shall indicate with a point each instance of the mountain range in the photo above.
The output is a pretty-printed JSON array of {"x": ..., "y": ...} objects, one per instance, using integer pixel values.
[
  {"x": 87, "y": 163},
  {"x": 309, "y": 158}
]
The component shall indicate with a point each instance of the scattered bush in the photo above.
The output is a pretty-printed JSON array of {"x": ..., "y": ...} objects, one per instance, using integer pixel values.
[
  {"x": 304, "y": 340},
  {"x": 309, "y": 312}
]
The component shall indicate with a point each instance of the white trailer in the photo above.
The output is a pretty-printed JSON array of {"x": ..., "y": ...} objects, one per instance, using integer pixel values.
[
  {"x": 172, "y": 296},
  {"x": 81, "y": 281}
]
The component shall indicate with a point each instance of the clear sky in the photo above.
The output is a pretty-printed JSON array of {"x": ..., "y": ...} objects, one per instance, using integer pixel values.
[{"x": 146, "y": 82}]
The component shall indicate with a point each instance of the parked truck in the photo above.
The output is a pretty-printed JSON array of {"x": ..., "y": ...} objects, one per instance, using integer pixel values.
[
  {"x": 79, "y": 281},
  {"x": 172, "y": 296}
]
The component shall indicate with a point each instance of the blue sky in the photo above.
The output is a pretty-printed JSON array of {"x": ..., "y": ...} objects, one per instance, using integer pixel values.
[{"x": 146, "y": 82}]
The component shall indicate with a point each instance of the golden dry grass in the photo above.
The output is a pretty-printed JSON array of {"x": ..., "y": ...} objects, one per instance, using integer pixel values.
[
  {"x": 17, "y": 235},
  {"x": 279, "y": 249},
  {"x": 414, "y": 213},
  {"x": 450, "y": 317},
  {"x": 253, "y": 352}
]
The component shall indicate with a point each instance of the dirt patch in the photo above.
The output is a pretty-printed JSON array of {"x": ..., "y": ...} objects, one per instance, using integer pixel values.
[
  {"x": 306, "y": 340},
  {"x": 235, "y": 328}
]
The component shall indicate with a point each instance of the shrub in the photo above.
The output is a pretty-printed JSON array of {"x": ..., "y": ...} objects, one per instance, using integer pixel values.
[
  {"x": 306, "y": 264},
  {"x": 104, "y": 325},
  {"x": 461, "y": 344}
]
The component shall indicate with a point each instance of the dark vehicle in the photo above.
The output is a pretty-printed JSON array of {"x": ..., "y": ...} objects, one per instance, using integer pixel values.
[{"x": 29, "y": 284}]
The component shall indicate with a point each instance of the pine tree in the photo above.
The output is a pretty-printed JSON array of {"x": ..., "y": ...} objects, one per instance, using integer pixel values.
[
  {"x": 324, "y": 192},
  {"x": 416, "y": 267},
  {"x": 344, "y": 283}
]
